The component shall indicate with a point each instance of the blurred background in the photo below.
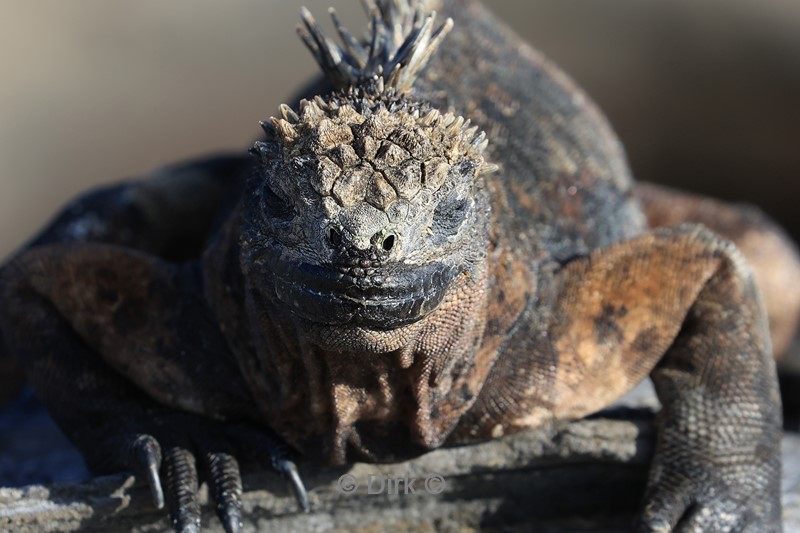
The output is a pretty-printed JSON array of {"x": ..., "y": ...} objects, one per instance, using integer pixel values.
[{"x": 705, "y": 95}]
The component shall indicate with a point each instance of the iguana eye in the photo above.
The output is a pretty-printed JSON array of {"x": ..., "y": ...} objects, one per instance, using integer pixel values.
[
  {"x": 275, "y": 206},
  {"x": 449, "y": 215}
]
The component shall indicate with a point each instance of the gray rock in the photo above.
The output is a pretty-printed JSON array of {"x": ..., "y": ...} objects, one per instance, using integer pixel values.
[{"x": 586, "y": 476}]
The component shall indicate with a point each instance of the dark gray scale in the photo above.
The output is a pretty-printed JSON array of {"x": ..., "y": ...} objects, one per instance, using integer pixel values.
[
  {"x": 564, "y": 178},
  {"x": 171, "y": 214}
]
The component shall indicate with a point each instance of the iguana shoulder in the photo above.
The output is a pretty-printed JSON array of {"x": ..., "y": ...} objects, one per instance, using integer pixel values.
[{"x": 564, "y": 177}]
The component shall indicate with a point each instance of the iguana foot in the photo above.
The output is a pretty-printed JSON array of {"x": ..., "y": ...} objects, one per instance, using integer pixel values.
[
  {"x": 704, "y": 496},
  {"x": 176, "y": 451},
  {"x": 127, "y": 406}
]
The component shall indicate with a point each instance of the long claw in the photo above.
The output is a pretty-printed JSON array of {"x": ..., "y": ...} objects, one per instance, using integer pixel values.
[
  {"x": 184, "y": 508},
  {"x": 260, "y": 441},
  {"x": 232, "y": 523},
  {"x": 288, "y": 470},
  {"x": 147, "y": 460},
  {"x": 226, "y": 486}
]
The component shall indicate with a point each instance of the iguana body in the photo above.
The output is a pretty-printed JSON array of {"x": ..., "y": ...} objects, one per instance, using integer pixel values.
[{"x": 379, "y": 281}]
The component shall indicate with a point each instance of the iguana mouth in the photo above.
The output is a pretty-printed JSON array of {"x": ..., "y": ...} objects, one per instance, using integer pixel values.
[{"x": 387, "y": 300}]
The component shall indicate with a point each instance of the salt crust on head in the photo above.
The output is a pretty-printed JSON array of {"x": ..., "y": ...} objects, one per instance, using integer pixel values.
[{"x": 376, "y": 150}]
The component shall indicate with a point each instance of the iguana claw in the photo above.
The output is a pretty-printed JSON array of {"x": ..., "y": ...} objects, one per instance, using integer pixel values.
[{"x": 146, "y": 460}]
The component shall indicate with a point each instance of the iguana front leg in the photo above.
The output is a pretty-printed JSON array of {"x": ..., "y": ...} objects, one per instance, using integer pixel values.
[
  {"x": 717, "y": 457},
  {"x": 123, "y": 353},
  {"x": 717, "y": 463},
  {"x": 677, "y": 303}
]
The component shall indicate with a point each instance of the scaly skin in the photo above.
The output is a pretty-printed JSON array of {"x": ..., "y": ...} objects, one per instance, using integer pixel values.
[{"x": 381, "y": 279}]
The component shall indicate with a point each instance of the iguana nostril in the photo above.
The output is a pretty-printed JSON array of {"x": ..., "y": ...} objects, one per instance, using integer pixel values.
[
  {"x": 382, "y": 242},
  {"x": 388, "y": 243},
  {"x": 334, "y": 237}
]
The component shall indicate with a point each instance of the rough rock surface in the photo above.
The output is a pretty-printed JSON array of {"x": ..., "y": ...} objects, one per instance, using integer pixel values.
[
  {"x": 594, "y": 469},
  {"x": 586, "y": 477}
]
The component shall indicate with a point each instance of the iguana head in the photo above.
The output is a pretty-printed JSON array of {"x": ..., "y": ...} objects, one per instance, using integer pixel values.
[{"x": 367, "y": 204}]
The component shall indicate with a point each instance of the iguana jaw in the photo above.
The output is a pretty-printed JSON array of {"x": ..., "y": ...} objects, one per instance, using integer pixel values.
[{"x": 390, "y": 300}]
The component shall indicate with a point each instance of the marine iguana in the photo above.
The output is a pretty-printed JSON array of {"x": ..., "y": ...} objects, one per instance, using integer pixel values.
[{"x": 443, "y": 246}]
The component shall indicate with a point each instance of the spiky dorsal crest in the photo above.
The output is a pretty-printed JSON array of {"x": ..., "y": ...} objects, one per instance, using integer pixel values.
[{"x": 401, "y": 41}]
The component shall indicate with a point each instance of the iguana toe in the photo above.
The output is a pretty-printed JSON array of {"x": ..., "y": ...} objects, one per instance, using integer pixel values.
[
  {"x": 182, "y": 484},
  {"x": 145, "y": 459},
  {"x": 222, "y": 472},
  {"x": 259, "y": 444}
]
